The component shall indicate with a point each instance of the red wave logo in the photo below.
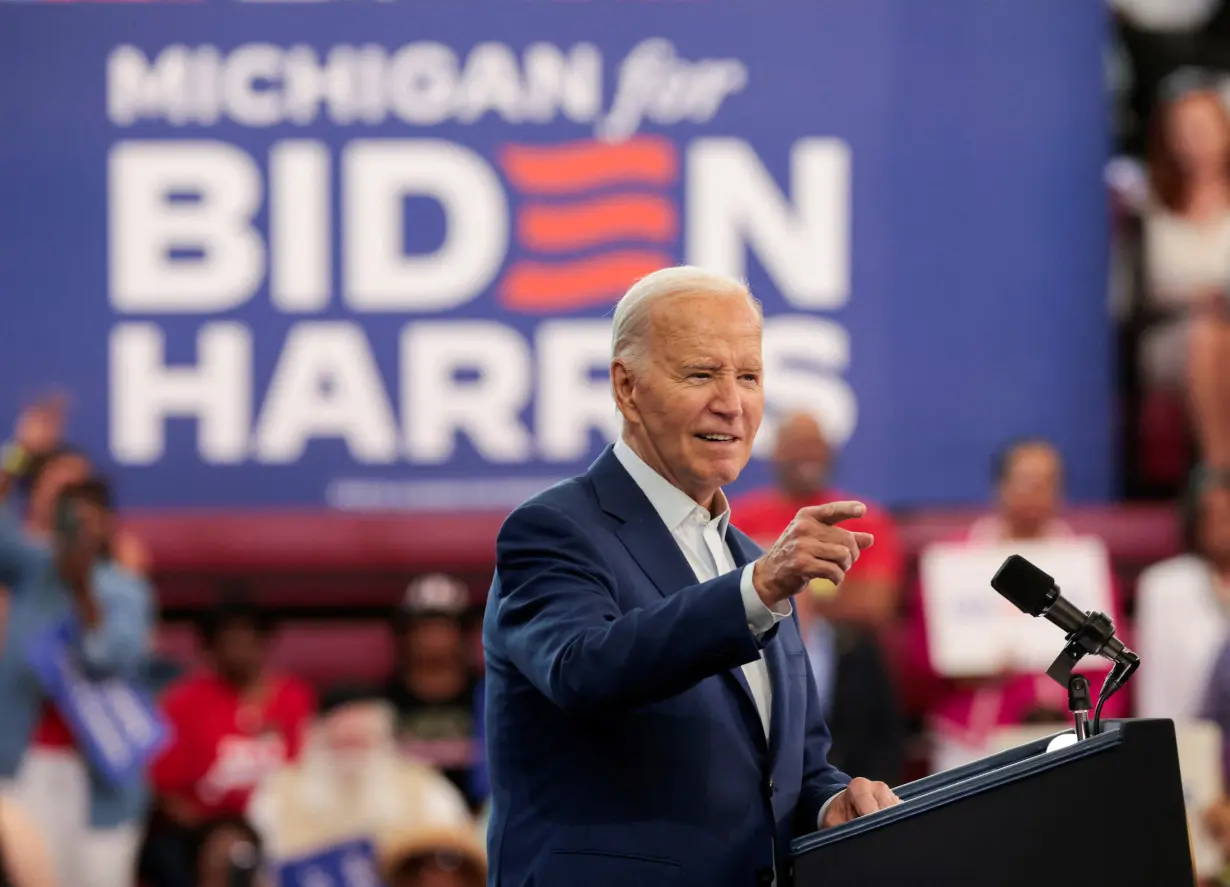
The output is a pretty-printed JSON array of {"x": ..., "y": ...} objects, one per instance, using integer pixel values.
[
  {"x": 547, "y": 227},
  {"x": 591, "y": 222}
]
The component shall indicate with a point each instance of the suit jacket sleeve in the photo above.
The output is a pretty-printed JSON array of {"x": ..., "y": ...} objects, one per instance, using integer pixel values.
[
  {"x": 557, "y": 618},
  {"x": 821, "y": 780}
]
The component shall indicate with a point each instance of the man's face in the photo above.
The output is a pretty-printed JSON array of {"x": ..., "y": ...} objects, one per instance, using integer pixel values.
[
  {"x": 802, "y": 457},
  {"x": 436, "y": 642},
  {"x": 695, "y": 402},
  {"x": 83, "y": 525},
  {"x": 94, "y": 522},
  {"x": 239, "y": 651}
]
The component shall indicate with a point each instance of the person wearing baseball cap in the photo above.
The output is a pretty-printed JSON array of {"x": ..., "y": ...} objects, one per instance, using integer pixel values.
[{"x": 433, "y": 686}]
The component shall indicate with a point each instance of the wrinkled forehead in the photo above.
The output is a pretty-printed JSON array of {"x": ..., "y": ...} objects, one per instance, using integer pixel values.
[{"x": 697, "y": 324}]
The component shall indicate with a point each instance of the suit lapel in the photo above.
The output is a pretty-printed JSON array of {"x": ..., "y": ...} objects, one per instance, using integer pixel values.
[
  {"x": 750, "y": 711},
  {"x": 745, "y": 551},
  {"x": 654, "y": 549},
  {"x": 642, "y": 532},
  {"x": 775, "y": 657}
]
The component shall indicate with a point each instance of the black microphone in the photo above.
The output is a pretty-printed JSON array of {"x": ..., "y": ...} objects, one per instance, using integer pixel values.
[{"x": 1035, "y": 592}]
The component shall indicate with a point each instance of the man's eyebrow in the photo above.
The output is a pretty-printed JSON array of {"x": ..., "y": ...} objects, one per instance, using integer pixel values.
[{"x": 702, "y": 365}]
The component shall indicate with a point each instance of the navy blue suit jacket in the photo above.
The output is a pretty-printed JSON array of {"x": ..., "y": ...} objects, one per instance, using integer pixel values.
[{"x": 624, "y": 746}]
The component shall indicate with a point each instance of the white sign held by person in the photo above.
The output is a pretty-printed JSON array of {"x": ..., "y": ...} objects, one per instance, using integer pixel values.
[{"x": 972, "y": 631}]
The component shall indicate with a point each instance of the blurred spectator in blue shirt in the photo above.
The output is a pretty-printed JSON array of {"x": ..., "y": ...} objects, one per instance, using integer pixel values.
[{"x": 60, "y": 571}]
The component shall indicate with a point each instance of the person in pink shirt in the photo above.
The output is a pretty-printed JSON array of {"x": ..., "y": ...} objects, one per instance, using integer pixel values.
[{"x": 1028, "y": 478}]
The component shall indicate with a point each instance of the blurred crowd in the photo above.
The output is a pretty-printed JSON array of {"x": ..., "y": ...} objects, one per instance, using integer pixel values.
[
  {"x": 120, "y": 764},
  {"x": 253, "y": 769},
  {"x": 1170, "y": 192},
  {"x": 259, "y": 772}
]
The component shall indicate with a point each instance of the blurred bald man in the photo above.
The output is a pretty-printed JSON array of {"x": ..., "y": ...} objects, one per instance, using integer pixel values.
[{"x": 803, "y": 461}]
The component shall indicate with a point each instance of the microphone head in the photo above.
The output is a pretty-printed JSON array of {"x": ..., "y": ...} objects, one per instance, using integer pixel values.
[{"x": 1026, "y": 586}]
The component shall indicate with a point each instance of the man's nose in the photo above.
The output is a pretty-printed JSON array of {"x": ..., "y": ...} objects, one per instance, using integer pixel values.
[{"x": 726, "y": 400}]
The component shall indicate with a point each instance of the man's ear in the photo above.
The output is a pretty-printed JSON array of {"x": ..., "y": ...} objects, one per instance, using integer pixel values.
[{"x": 623, "y": 388}]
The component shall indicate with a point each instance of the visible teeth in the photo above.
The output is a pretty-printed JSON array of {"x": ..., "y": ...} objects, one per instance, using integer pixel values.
[{"x": 717, "y": 437}]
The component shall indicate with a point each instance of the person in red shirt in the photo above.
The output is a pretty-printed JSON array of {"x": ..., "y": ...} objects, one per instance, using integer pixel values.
[
  {"x": 843, "y": 627},
  {"x": 803, "y": 461},
  {"x": 233, "y": 722}
]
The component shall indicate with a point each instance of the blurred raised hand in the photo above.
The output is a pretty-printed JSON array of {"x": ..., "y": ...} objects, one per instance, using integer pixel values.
[{"x": 40, "y": 426}]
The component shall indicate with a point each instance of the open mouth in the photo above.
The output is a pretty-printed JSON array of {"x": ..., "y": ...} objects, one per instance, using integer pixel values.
[{"x": 718, "y": 438}]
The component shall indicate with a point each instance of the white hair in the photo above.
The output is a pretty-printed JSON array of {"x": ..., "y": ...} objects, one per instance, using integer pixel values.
[{"x": 631, "y": 325}]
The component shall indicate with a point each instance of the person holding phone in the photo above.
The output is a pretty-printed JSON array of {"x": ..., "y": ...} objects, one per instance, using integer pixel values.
[{"x": 60, "y": 568}]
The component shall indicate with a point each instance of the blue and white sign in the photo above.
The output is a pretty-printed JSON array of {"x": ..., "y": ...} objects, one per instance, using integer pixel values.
[
  {"x": 114, "y": 724},
  {"x": 351, "y": 864},
  {"x": 365, "y": 254}
]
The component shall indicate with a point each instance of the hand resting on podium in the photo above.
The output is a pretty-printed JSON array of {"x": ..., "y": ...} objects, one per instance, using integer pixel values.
[{"x": 861, "y": 796}]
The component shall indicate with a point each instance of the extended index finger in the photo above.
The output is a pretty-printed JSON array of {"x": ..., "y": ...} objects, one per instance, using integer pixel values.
[{"x": 834, "y": 512}]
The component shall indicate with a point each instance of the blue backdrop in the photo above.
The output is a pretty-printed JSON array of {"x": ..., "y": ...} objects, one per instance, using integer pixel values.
[{"x": 912, "y": 189}]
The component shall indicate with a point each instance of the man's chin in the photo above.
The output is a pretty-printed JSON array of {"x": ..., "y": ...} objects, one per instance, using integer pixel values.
[{"x": 725, "y": 471}]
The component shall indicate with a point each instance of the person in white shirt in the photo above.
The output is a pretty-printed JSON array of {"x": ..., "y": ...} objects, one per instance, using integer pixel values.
[
  {"x": 652, "y": 717},
  {"x": 1183, "y": 610}
]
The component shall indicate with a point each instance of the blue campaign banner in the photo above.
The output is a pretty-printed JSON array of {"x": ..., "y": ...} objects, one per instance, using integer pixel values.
[
  {"x": 364, "y": 254},
  {"x": 351, "y": 864},
  {"x": 115, "y": 725}
]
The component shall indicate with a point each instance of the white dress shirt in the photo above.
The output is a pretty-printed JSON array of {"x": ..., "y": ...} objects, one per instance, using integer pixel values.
[{"x": 701, "y": 537}]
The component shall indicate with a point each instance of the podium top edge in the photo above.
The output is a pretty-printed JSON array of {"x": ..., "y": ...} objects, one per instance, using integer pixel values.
[{"x": 952, "y": 785}]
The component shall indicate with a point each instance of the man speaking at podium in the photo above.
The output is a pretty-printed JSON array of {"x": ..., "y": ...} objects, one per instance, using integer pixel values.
[{"x": 652, "y": 718}]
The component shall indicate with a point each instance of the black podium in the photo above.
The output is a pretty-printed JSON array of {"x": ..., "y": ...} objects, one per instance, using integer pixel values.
[{"x": 1105, "y": 811}]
